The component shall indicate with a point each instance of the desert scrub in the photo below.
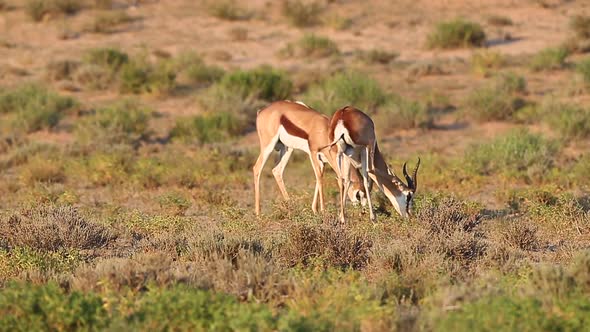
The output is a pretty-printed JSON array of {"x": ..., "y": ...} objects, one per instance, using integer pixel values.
[
  {"x": 497, "y": 100},
  {"x": 499, "y": 20},
  {"x": 122, "y": 122},
  {"x": 572, "y": 122},
  {"x": 580, "y": 41},
  {"x": 208, "y": 128},
  {"x": 519, "y": 154},
  {"x": 486, "y": 62},
  {"x": 401, "y": 113},
  {"x": 312, "y": 46},
  {"x": 140, "y": 76},
  {"x": 37, "y": 9},
  {"x": 32, "y": 107},
  {"x": 101, "y": 68},
  {"x": 193, "y": 68},
  {"x": 263, "y": 82},
  {"x": 301, "y": 14},
  {"x": 109, "y": 21},
  {"x": 583, "y": 68},
  {"x": 455, "y": 34},
  {"x": 61, "y": 70},
  {"x": 229, "y": 10},
  {"x": 45, "y": 170},
  {"x": 549, "y": 59},
  {"x": 346, "y": 88},
  {"x": 111, "y": 58},
  {"x": 377, "y": 56}
]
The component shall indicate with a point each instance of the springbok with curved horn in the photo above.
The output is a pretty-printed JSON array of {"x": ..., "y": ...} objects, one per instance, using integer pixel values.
[
  {"x": 284, "y": 126},
  {"x": 353, "y": 133}
]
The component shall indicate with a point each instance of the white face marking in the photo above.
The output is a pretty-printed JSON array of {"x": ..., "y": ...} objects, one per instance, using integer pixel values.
[
  {"x": 398, "y": 202},
  {"x": 301, "y": 103},
  {"x": 293, "y": 141}
]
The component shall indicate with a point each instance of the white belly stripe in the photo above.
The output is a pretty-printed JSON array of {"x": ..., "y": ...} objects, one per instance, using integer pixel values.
[{"x": 293, "y": 141}]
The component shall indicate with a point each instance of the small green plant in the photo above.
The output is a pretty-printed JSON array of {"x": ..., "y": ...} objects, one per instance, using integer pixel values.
[
  {"x": 191, "y": 65},
  {"x": 123, "y": 122},
  {"x": 486, "y": 62},
  {"x": 33, "y": 107},
  {"x": 174, "y": 202},
  {"x": 346, "y": 88},
  {"x": 207, "y": 128},
  {"x": 583, "y": 68},
  {"x": 549, "y": 59},
  {"x": 140, "y": 76},
  {"x": 400, "y": 113},
  {"x": 455, "y": 34},
  {"x": 262, "y": 82},
  {"x": 109, "y": 21},
  {"x": 228, "y": 10},
  {"x": 517, "y": 154},
  {"x": 570, "y": 121},
  {"x": 107, "y": 57},
  {"x": 61, "y": 70},
  {"x": 313, "y": 46},
  {"x": 498, "y": 100},
  {"x": 42, "y": 170},
  {"x": 302, "y": 14},
  {"x": 376, "y": 56}
]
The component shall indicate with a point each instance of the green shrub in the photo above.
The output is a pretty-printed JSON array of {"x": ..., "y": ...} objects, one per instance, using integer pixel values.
[
  {"x": 302, "y": 14},
  {"x": 400, "y": 113},
  {"x": 228, "y": 10},
  {"x": 486, "y": 62},
  {"x": 517, "y": 154},
  {"x": 220, "y": 99},
  {"x": 107, "y": 57},
  {"x": 583, "y": 68},
  {"x": 109, "y": 21},
  {"x": 346, "y": 88},
  {"x": 196, "y": 70},
  {"x": 263, "y": 82},
  {"x": 498, "y": 100},
  {"x": 123, "y": 122},
  {"x": 61, "y": 70},
  {"x": 207, "y": 128},
  {"x": 42, "y": 170},
  {"x": 549, "y": 59},
  {"x": 311, "y": 45},
  {"x": 376, "y": 56},
  {"x": 570, "y": 121},
  {"x": 34, "y": 107},
  {"x": 455, "y": 34},
  {"x": 140, "y": 76}
]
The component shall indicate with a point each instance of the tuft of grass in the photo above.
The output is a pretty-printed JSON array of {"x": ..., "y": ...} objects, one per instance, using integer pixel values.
[
  {"x": 583, "y": 68},
  {"x": 36, "y": 9},
  {"x": 123, "y": 122},
  {"x": 196, "y": 71},
  {"x": 311, "y": 45},
  {"x": 346, "y": 88},
  {"x": 486, "y": 62},
  {"x": 228, "y": 10},
  {"x": 45, "y": 170},
  {"x": 263, "y": 82},
  {"x": 61, "y": 70},
  {"x": 33, "y": 107},
  {"x": 400, "y": 113},
  {"x": 208, "y": 128},
  {"x": 107, "y": 57},
  {"x": 140, "y": 76},
  {"x": 581, "y": 26},
  {"x": 174, "y": 202},
  {"x": 570, "y": 121},
  {"x": 301, "y": 14},
  {"x": 518, "y": 154},
  {"x": 109, "y": 21},
  {"x": 499, "y": 100},
  {"x": 456, "y": 33},
  {"x": 549, "y": 59},
  {"x": 376, "y": 56}
]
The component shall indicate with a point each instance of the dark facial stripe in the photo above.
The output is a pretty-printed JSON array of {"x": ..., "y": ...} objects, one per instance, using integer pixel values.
[{"x": 292, "y": 129}]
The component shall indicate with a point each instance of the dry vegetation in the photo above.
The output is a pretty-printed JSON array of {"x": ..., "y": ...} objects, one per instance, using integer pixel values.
[{"x": 126, "y": 155}]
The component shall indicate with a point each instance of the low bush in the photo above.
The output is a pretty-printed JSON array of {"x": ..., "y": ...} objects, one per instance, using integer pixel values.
[
  {"x": 499, "y": 20},
  {"x": 301, "y": 14},
  {"x": 583, "y": 68},
  {"x": 262, "y": 82},
  {"x": 455, "y": 34},
  {"x": 228, "y": 10},
  {"x": 33, "y": 107},
  {"x": 109, "y": 21},
  {"x": 140, "y": 76},
  {"x": 61, "y": 70},
  {"x": 581, "y": 26},
  {"x": 376, "y": 56},
  {"x": 46, "y": 170},
  {"x": 123, "y": 122},
  {"x": 570, "y": 121},
  {"x": 498, "y": 100},
  {"x": 107, "y": 57},
  {"x": 346, "y": 88},
  {"x": 518, "y": 154},
  {"x": 196, "y": 71},
  {"x": 209, "y": 128},
  {"x": 400, "y": 113},
  {"x": 549, "y": 59},
  {"x": 486, "y": 62},
  {"x": 311, "y": 45}
]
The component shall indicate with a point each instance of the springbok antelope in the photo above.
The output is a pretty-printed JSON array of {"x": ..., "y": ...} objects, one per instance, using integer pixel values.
[
  {"x": 353, "y": 133},
  {"x": 284, "y": 126}
]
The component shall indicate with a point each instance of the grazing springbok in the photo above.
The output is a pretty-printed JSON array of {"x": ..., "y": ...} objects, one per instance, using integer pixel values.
[
  {"x": 284, "y": 126},
  {"x": 353, "y": 133}
]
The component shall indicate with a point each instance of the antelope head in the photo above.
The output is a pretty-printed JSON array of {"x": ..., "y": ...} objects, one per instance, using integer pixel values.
[{"x": 399, "y": 193}]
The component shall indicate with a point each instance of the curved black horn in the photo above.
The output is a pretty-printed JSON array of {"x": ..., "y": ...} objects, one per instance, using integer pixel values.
[
  {"x": 415, "y": 175},
  {"x": 408, "y": 178}
]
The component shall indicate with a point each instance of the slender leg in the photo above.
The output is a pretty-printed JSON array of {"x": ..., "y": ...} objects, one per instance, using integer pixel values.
[
  {"x": 345, "y": 185},
  {"x": 279, "y": 169},
  {"x": 318, "y": 169},
  {"x": 365, "y": 163},
  {"x": 257, "y": 169}
]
